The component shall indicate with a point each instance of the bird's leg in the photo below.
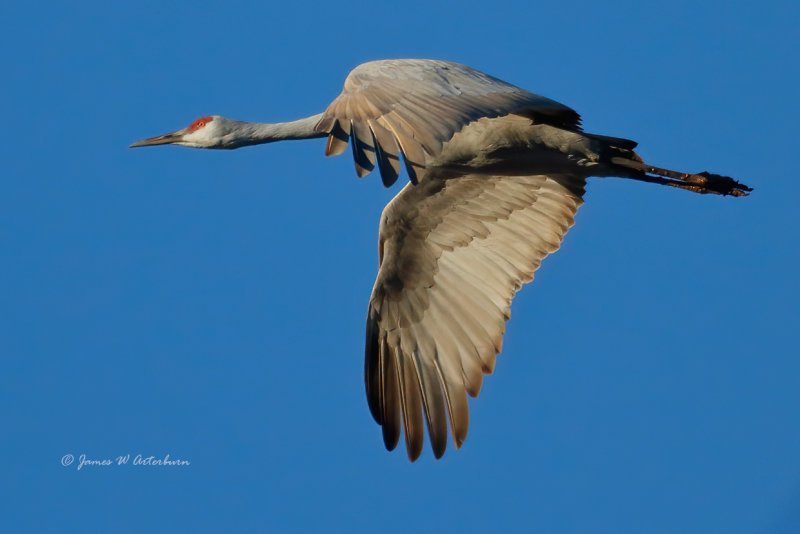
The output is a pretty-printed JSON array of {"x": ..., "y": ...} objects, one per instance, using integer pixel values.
[
  {"x": 666, "y": 181},
  {"x": 703, "y": 182}
]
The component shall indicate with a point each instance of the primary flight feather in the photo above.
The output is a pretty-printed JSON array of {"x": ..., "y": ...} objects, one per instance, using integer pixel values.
[{"x": 496, "y": 174}]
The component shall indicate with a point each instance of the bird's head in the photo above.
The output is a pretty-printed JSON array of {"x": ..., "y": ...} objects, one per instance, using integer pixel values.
[{"x": 205, "y": 132}]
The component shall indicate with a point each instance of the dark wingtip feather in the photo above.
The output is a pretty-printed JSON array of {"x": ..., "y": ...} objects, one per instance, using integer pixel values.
[
  {"x": 438, "y": 449},
  {"x": 410, "y": 170},
  {"x": 390, "y": 437},
  {"x": 390, "y": 396},
  {"x": 372, "y": 369},
  {"x": 363, "y": 145},
  {"x": 389, "y": 173}
]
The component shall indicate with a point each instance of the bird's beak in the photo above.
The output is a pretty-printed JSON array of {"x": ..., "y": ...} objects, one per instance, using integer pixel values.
[{"x": 165, "y": 139}]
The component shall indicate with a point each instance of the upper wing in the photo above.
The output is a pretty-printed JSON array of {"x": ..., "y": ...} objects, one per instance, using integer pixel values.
[
  {"x": 453, "y": 254},
  {"x": 413, "y": 106}
]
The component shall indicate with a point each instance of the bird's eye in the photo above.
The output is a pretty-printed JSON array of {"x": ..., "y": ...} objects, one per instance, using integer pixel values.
[{"x": 199, "y": 123}]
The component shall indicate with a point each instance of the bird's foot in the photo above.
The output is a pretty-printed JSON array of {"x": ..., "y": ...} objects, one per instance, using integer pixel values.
[{"x": 705, "y": 182}]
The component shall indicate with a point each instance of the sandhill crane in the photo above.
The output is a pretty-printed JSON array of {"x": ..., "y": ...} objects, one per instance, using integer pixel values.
[{"x": 496, "y": 175}]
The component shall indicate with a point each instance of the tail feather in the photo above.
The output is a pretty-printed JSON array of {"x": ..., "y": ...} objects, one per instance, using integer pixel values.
[{"x": 614, "y": 142}]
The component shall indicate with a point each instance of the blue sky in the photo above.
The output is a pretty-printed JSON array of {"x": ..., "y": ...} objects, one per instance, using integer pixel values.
[{"x": 210, "y": 305}]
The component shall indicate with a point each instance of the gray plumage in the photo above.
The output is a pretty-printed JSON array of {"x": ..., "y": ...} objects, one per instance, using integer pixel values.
[{"x": 496, "y": 176}]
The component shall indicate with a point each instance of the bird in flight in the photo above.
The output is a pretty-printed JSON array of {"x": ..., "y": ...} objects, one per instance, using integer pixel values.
[{"x": 496, "y": 175}]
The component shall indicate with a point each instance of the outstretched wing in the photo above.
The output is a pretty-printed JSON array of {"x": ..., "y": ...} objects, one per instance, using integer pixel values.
[
  {"x": 413, "y": 106},
  {"x": 453, "y": 254}
]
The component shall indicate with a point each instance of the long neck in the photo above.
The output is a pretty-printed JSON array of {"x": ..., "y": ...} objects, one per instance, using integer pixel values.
[{"x": 256, "y": 133}]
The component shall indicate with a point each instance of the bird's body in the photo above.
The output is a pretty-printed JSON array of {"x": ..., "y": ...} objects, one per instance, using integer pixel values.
[
  {"x": 496, "y": 176},
  {"x": 513, "y": 145}
]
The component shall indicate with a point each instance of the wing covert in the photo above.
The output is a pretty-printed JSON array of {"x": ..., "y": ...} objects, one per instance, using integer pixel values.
[{"x": 410, "y": 107}]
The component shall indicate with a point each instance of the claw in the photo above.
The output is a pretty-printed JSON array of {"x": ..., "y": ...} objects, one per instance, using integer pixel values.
[{"x": 721, "y": 185}]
